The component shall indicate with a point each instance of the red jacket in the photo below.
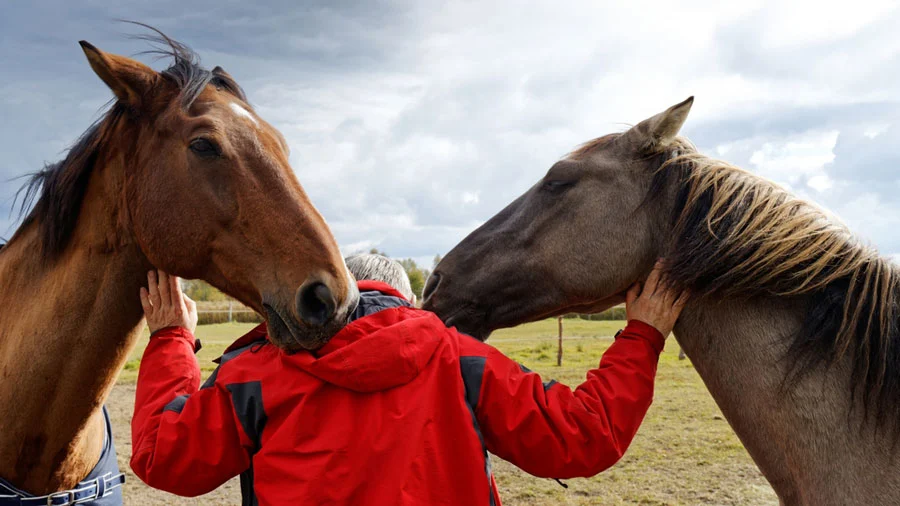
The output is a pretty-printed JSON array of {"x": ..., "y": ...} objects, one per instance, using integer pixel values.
[{"x": 396, "y": 409}]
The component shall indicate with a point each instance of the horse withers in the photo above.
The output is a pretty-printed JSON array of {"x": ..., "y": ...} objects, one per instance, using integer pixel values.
[
  {"x": 793, "y": 325},
  {"x": 181, "y": 175}
]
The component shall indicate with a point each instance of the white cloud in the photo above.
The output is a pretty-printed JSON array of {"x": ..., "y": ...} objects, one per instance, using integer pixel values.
[
  {"x": 820, "y": 182},
  {"x": 801, "y": 156},
  {"x": 875, "y": 130},
  {"x": 470, "y": 197},
  {"x": 409, "y": 125},
  {"x": 357, "y": 247},
  {"x": 810, "y": 21}
]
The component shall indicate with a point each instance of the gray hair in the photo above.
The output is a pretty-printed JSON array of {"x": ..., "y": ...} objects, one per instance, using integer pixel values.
[{"x": 367, "y": 266}]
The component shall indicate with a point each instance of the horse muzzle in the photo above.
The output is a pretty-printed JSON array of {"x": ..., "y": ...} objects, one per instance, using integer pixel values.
[{"x": 314, "y": 319}]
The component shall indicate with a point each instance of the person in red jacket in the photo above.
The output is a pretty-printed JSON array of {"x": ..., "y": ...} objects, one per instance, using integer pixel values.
[{"x": 396, "y": 409}]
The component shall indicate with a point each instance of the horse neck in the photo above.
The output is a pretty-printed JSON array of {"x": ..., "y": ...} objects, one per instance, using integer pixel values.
[
  {"x": 67, "y": 327},
  {"x": 805, "y": 439}
]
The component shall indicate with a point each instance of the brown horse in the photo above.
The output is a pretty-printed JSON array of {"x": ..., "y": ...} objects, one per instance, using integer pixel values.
[
  {"x": 180, "y": 175},
  {"x": 794, "y": 326}
]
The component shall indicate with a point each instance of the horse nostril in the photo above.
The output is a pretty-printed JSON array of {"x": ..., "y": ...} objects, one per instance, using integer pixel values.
[
  {"x": 315, "y": 303},
  {"x": 431, "y": 285}
]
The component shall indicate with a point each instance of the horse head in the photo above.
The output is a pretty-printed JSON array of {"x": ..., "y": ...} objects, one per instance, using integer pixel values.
[
  {"x": 193, "y": 176},
  {"x": 574, "y": 242}
]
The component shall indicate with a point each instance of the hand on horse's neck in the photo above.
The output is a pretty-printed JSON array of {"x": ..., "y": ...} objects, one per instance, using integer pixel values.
[{"x": 67, "y": 327}]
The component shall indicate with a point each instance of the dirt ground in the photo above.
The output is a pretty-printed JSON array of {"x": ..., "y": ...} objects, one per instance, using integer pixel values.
[
  {"x": 684, "y": 454},
  {"x": 121, "y": 406}
]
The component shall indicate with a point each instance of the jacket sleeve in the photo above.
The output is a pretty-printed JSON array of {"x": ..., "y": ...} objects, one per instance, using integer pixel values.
[
  {"x": 184, "y": 440},
  {"x": 549, "y": 430}
]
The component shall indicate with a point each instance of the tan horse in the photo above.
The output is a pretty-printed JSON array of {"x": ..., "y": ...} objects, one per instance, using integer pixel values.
[
  {"x": 181, "y": 175},
  {"x": 794, "y": 326}
]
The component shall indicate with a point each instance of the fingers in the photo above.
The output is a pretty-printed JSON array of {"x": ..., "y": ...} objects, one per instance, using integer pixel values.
[
  {"x": 189, "y": 303},
  {"x": 175, "y": 288},
  {"x": 671, "y": 297},
  {"x": 153, "y": 288},
  {"x": 681, "y": 300},
  {"x": 164, "y": 303},
  {"x": 165, "y": 288},
  {"x": 653, "y": 279},
  {"x": 176, "y": 294},
  {"x": 145, "y": 302},
  {"x": 190, "y": 308},
  {"x": 659, "y": 304},
  {"x": 633, "y": 293}
]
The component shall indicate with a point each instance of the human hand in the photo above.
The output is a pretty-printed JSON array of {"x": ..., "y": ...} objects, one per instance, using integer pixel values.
[
  {"x": 165, "y": 305},
  {"x": 655, "y": 304}
]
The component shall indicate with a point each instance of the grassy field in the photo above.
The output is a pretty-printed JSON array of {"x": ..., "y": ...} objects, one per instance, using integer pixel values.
[{"x": 684, "y": 454}]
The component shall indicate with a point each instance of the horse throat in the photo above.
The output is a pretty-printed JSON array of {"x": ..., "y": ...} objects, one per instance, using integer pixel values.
[{"x": 66, "y": 329}]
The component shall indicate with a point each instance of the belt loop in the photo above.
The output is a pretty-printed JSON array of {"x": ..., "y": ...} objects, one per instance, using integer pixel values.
[
  {"x": 68, "y": 495},
  {"x": 101, "y": 486}
]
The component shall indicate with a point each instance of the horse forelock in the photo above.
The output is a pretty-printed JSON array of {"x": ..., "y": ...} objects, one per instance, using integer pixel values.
[
  {"x": 591, "y": 146},
  {"x": 185, "y": 71},
  {"x": 53, "y": 195},
  {"x": 735, "y": 234}
]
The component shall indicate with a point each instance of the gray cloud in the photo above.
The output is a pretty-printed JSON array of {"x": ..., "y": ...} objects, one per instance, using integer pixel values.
[{"x": 869, "y": 158}]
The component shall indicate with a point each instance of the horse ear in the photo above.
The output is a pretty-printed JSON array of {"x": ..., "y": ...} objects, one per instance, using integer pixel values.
[
  {"x": 129, "y": 80},
  {"x": 657, "y": 132}
]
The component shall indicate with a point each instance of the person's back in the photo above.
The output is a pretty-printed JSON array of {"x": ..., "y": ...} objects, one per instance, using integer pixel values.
[
  {"x": 396, "y": 409},
  {"x": 376, "y": 417}
]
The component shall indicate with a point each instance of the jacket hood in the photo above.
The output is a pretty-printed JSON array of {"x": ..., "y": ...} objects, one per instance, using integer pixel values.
[
  {"x": 378, "y": 286},
  {"x": 377, "y": 352}
]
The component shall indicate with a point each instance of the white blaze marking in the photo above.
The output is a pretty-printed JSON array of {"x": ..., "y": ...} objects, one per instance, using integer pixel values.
[{"x": 240, "y": 111}]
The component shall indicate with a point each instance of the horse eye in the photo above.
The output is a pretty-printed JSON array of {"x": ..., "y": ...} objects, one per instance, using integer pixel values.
[
  {"x": 558, "y": 184},
  {"x": 204, "y": 148}
]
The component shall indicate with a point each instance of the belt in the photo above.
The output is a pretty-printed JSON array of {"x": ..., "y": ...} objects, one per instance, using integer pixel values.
[{"x": 86, "y": 491}]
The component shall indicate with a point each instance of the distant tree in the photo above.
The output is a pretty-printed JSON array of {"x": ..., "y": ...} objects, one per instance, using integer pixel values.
[
  {"x": 417, "y": 275},
  {"x": 200, "y": 290},
  {"x": 417, "y": 282},
  {"x": 437, "y": 260}
]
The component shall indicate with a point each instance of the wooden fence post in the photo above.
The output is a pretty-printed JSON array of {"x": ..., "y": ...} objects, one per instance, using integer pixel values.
[
  {"x": 559, "y": 352},
  {"x": 230, "y": 304}
]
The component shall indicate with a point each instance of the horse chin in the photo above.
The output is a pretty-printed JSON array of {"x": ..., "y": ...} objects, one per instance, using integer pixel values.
[
  {"x": 480, "y": 323},
  {"x": 521, "y": 316},
  {"x": 470, "y": 322},
  {"x": 597, "y": 306},
  {"x": 478, "y": 330},
  {"x": 291, "y": 337}
]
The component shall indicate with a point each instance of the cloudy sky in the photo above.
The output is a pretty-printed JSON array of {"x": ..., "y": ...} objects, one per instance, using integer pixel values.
[{"x": 411, "y": 123}]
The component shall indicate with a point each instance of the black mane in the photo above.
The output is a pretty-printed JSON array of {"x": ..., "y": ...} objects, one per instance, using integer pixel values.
[
  {"x": 55, "y": 193},
  {"x": 185, "y": 71}
]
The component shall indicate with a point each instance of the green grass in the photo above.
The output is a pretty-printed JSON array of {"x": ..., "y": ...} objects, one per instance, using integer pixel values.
[
  {"x": 215, "y": 338},
  {"x": 684, "y": 454}
]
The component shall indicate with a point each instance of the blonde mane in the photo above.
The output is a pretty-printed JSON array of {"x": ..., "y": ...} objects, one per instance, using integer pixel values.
[{"x": 738, "y": 235}]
